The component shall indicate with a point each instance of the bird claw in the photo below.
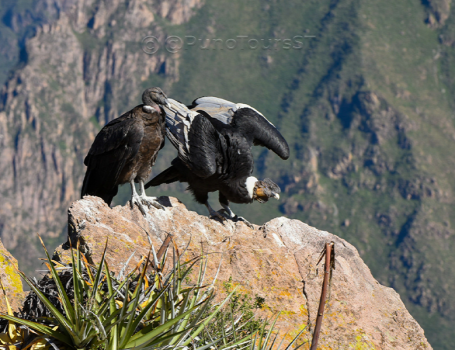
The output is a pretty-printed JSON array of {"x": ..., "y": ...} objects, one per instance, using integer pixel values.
[
  {"x": 137, "y": 200},
  {"x": 235, "y": 218},
  {"x": 239, "y": 218},
  {"x": 151, "y": 201},
  {"x": 216, "y": 215},
  {"x": 140, "y": 201},
  {"x": 225, "y": 214}
]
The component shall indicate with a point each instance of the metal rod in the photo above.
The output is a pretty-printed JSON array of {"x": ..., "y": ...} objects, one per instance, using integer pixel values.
[
  {"x": 164, "y": 247},
  {"x": 162, "y": 250},
  {"x": 325, "y": 284}
]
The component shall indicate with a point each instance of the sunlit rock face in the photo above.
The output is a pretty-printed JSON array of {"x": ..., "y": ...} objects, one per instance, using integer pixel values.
[{"x": 276, "y": 262}]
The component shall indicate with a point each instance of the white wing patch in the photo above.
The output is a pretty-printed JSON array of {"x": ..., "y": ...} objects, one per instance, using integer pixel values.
[
  {"x": 222, "y": 109},
  {"x": 217, "y": 108},
  {"x": 178, "y": 124},
  {"x": 215, "y": 100}
]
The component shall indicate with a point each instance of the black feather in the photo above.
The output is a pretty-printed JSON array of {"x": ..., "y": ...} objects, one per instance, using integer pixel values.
[
  {"x": 124, "y": 150},
  {"x": 214, "y": 151},
  {"x": 168, "y": 176}
]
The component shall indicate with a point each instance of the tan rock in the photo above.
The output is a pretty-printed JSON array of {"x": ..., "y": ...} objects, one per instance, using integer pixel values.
[
  {"x": 11, "y": 281},
  {"x": 177, "y": 11},
  {"x": 439, "y": 11},
  {"x": 276, "y": 261}
]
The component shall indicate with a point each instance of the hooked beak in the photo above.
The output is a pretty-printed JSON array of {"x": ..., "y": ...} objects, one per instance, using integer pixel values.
[{"x": 261, "y": 195}]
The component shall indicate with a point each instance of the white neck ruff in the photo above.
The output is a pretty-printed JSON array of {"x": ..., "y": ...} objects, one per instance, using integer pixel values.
[{"x": 250, "y": 183}]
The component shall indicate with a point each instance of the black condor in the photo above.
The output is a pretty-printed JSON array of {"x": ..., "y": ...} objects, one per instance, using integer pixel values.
[
  {"x": 214, "y": 138},
  {"x": 126, "y": 149}
]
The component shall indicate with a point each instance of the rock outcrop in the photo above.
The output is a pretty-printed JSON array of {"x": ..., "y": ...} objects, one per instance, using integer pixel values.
[
  {"x": 10, "y": 280},
  {"x": 276, "y": 261},
  {"x": 438, "y": 12}
]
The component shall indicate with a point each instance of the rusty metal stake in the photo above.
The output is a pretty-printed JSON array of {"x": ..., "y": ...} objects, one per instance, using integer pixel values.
[
  {"x": 328, "y": 265},
  {"x": 162, "y": 250},
  {"x": 164, "y": 246}
]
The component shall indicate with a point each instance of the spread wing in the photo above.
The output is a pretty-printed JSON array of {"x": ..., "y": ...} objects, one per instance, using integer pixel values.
[
  {"x": 248, "y": 121},
  {"x": 117, "y": 143},
  {"x": 200, "y": 146}
]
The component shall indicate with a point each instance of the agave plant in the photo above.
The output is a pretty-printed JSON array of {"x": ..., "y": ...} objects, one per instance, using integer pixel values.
[
  {"x": 266, "y": 339},
  {"x": 93, "y": 309},
  {"x": 16, "y": 335},
  {"x": 135, "y": 311}
]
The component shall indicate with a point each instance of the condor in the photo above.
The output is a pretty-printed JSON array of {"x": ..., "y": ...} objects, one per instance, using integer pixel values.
[
  {"x": 125, "y": 150},
  {"x": 214, "y": 138}
]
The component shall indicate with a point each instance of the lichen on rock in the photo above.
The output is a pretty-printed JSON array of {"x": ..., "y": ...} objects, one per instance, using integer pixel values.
[{"x": 11, "y": 281}]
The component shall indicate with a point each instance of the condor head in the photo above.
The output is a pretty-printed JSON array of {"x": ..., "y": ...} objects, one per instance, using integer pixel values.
[
  {"x": 262, "y": 190},
  {"x": 154, "y": 95}
]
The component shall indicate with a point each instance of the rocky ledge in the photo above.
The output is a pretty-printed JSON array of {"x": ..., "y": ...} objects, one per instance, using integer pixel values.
[{"x": 276, "y": 261}]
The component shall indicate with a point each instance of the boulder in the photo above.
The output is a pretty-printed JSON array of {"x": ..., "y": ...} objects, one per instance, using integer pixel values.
[{"x": 276, "y": 262}]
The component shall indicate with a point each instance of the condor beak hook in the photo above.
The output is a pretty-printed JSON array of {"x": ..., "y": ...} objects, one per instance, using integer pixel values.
[{"x": 276, "y": 195}]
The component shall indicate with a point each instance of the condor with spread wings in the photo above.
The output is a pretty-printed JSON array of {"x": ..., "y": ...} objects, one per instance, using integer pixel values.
[{"x": 214, "y": 137}]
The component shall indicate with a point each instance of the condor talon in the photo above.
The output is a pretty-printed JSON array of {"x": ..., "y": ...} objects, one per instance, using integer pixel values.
[
  {"x": 136, "y": 199},
  {"x": 213, "y": 213},
  {"x": 149, "y": 201},
  {"x": 242, "y": 219}
]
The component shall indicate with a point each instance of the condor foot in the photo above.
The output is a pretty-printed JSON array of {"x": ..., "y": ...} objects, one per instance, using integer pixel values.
[
  {"x": 151, "y": 201},
  {"x": 136, "y": 200},
  {"x": 228, "y": 214},
  {"x": 142, "y": 201},
  {"x": 239, "y": 218},
  {"x": 216, "y": 215}
]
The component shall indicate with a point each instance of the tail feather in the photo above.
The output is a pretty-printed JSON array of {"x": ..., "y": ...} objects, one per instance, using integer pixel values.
[
  {"x": 168, "y": 176},
  {"x": 93, "y": 186}
]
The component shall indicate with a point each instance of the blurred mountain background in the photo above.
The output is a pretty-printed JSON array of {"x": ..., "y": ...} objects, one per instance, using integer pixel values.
[{"x": 362, "y": 90}]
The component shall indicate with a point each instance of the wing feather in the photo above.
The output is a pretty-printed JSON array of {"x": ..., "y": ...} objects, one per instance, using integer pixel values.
[
  {"x": 222, "y": 109},
  {"x": 200, "y": 147},
  {"x": 218, "y": 108},
  {"x": 248, "y": 121},
  {"x": 117, "y": 143},
  {"x": 113, "y": 134},
  {"x": 261, "y": 132}
]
